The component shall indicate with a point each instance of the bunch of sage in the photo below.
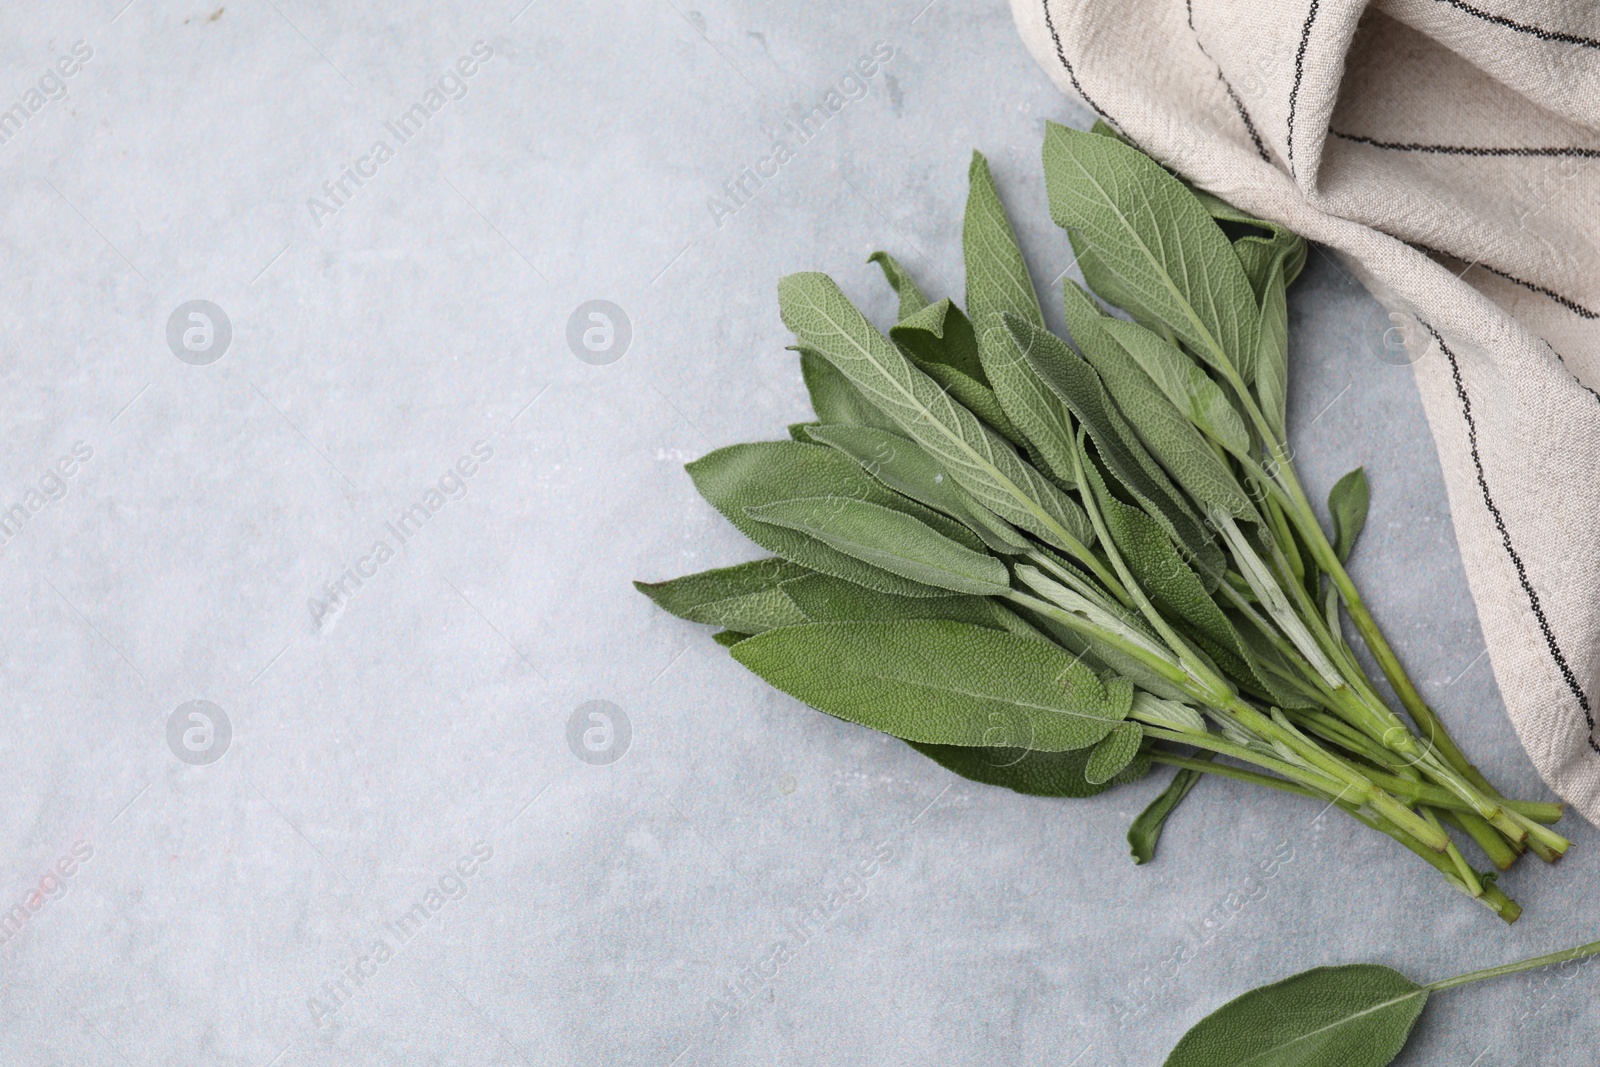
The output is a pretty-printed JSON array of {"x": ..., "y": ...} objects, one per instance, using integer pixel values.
[{"x": 1048, "y": 568}]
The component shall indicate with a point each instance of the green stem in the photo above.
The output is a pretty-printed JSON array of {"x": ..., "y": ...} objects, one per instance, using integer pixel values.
[{"x": 1591, "y": 949}]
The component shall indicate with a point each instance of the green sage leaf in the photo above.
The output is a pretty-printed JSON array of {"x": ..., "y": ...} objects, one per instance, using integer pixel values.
[
  {"x": 891, "y": 540},
  {"x": 896, "y": 461},
  {"x": 834, "y": 399},
  {"x": 1165, "y": 429},
  {"x": 1114, "y": 752},
  {"x": 942, "y": 683},
  {"x": 941, "y": 341},
  {"x": 1038, "y": 774},
  {"x": 998, "y": 284},
  {"x": 971, "y": 453},
  {"x": 1151, "y": 234},
  {"x": 743, "y": 476},
  {"x": 997, "y": 276},
  {"x": 746, "y": 597},
  {"x": 911, "y": 298},
  {"x": 1077, "y": 385},
  {"x": 1257, "y": 253},
  {"x": 822, "y": 598},
  {"x": 728, "y": 638},
  {"x": 1272, "y": 362},
  {"x": 1347, "y": 503},
  {"x": 1354, "y": 1016},
  {"x": 1185, "y": 384},
  {"x": 1145, "y": 832}
]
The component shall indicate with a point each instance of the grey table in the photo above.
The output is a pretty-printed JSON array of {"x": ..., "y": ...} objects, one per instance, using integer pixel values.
[{"x": 375, "y": 841}]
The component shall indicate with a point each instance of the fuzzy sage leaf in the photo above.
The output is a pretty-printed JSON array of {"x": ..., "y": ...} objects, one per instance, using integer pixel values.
[
  {"x": 891, "y": 540},
  {"x": 983, "y": 462},
  {"x": 1355, "y": 1016},
  {"x": 942, "y": 683}
]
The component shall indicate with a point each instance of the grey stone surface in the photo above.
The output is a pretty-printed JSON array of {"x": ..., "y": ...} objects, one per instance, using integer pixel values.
[{"x": 440, "y": 713}]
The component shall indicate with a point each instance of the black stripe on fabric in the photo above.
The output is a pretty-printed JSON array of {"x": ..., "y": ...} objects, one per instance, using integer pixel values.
[
  {"x": 1505, "y": 539},
  {"x": 1469, "y": 150},
  {"x": 1571, "y": 305},
  {"x": 1061, "y": 54},
  {"x": 1250, "y": 127},
  {"x": 1532, "y": 31},
  {"x": 1299, "y": 73}
]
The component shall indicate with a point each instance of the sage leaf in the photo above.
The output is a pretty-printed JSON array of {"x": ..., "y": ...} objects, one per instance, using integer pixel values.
[
  {"x": 1038, "y": 774},
  {"x": 1347, "y": 503},
  {"x": 896, "y": 461},
  {"x": 941, "y": 682},
  {"x": 743, "y": 476},
  {"x": 1212, "y": 410},
  {"x": 889, "y": 539},
  {"x": 904, "y": 466},
  {"x": 1114, "y": 752},
  {"x": 1153, "y": 236},
  {"x": 1357, "y": 1015},
  {"x": 1185, "y": 384},
  {"x": 1164, "y": 428},
  {"x": 940, "y": 335},
  {"x": 1167, "y": 714},
  {"x": 911, "y": 298},
  {"x": 997, "y": 276},
  {"x": 998, "y": 283},
  {"x": 1076, "y": 384},
  {"x": 835, "y": 401},
  {"x": 1272, "y": 362},
  {"x": 1036, "y": 412},
  {"x": 1145, "y": 832},
  {"x": 974, "y": 455},
  {"x": 728, "y": 638},
  {"x": 747, "y": 597},
  {"x": 822, "y": 598},
  {"x": 941, "y": 341},
  {"x": 1257, "y": 253}
]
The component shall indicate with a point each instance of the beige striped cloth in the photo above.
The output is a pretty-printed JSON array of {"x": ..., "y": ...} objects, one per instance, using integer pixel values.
[{"x": 1446, "y": 149}]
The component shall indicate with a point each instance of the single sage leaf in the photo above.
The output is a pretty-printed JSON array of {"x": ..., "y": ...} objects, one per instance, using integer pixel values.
[
  {"x": 1272, "y": 362},
  {"x": 728, "y": 638},
  {"x": 1114, "y": 752},
  {"x": 1037, "y": 774},
  {"x": 746, "y": 597},
  {"x": 743, "y": 476},
  {"x": 1347, "y": 503},
  {"x": 941, "y": 682},
  {"x": 904, "y": 466},
  {"x": 984, "y": 463},
  {"x": 891, "y": 540},
  {"x": 1145, "y": 832},
  {"x": 821, "y": 598},
  {"x": 1258, "y": 253},
  {"x": 1077, "y": 385},
  {"x": 834, "y": 399},
  {"x": 1357, "y": 1015},
  {"x": 1165, "y": 429},
  {"x": 896, "y": 461},
  {"x": 997, "y": 276},
  {"x": 1186, "y": 384},
  {"x": 1036, "y": 412},
  {"x": 941, "y": 341},
  {"x": 1151, "y": 233},
  {"x": 911, "y": 298},
  {"x": 940, "y": 335}
]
